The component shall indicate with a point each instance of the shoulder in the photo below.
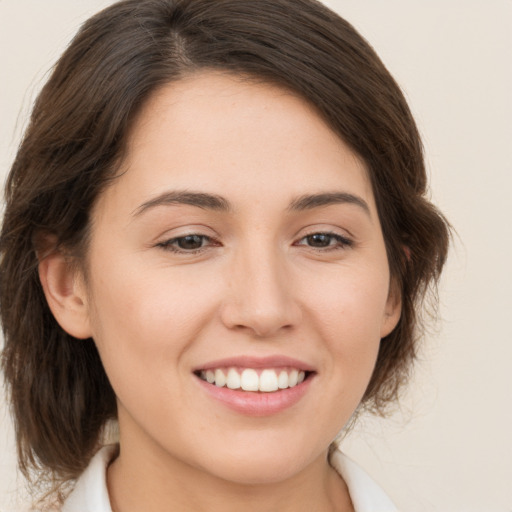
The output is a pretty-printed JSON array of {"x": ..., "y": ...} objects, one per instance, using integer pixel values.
[{"x": 366, "y": 494}]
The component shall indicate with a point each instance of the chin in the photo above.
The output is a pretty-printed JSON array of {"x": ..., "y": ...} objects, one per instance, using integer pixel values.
[
  {"x": 260, "y": 464},
  {"x": 258, "y": 472}
]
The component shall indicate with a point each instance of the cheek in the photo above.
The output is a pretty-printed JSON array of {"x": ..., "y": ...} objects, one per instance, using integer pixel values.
[
  {"x": 346, "y": 310},
  {"x": 137, "y": 297},
  {"x": 348, "y": 300},
  {"x": 145, "y": 322}
]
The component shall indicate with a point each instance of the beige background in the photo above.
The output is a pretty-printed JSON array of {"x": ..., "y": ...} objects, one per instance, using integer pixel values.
[{"x": 448, "y": 447}]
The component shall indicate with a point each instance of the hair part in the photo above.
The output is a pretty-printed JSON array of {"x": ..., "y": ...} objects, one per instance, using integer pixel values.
[{"x": 60, "y": 395}]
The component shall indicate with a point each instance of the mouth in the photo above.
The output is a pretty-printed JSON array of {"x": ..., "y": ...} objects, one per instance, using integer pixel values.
[
  {"x": 255, "y": 380},
  {"x": 256, "y": 386}
]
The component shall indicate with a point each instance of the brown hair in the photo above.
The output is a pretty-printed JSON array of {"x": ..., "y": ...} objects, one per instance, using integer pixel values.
[{"x": 60, "y": 394}]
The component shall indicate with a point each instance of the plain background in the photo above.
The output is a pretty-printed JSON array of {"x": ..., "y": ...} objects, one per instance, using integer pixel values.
[{"x": 448, "y": 447}]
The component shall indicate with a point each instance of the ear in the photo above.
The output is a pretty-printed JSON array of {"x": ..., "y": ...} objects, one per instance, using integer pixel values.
[
  {"x": 65, "y": 292},
  {"x": 392, "y": 310}
]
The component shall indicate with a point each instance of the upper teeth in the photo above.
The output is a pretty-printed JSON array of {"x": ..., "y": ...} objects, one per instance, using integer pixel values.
[{"x": 267, "y": 380}]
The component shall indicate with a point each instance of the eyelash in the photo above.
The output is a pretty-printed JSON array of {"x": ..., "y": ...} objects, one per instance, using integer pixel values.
[
  {"x": 207, "y": 241},
  {"x": 342, "y": 242},
  {"x": 172, "y": 244}
]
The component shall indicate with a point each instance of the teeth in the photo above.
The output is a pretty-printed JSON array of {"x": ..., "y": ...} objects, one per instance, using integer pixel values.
[
  {"x": 220, "y": 378},
  {"x": 282, "y": 380},
  {"x": 233, "y": 380},
  {"x": 267, "y": 381},
  {"x": 249, "y": 381},
  {"x": 292, "y": 378}
]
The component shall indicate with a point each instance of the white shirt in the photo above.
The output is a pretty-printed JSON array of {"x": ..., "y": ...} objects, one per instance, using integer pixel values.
[{"x": 91, "y": 495}]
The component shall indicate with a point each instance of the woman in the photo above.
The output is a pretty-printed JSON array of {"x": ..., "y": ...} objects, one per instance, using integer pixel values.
[{"x": 216, "y": 233}]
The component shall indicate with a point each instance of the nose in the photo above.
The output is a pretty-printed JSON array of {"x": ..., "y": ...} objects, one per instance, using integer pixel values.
[{"x": 260, "y": 298}]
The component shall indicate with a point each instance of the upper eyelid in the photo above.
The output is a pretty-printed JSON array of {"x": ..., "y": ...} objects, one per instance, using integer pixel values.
[
  {"x": 344, "y": 240},
  {"x": 325, "y": 226},
  {"x": 184, "y": 231},
  {"x": 179, "y": 237},
  {"x": 305, "y": 235},
  {"x": 335, "y": 232},
  {"x": 199, "y": 230},
  {"x": 324, "y": 231},
  {"x": 342, "y": 243}
]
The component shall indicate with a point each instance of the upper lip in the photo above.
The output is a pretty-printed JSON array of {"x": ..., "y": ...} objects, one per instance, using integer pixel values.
[{"x": 275, "y": 361}]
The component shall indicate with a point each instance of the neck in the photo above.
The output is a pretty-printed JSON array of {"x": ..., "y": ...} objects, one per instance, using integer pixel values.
[{"x": 145, "y": 480}]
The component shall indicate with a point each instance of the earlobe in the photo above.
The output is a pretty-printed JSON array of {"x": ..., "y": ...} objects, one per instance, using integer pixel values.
[
  {"x": 65, "y": 293},
  {"x": 392, "y": 311}
]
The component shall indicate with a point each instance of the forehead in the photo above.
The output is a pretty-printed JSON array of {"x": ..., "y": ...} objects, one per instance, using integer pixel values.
[{"x": 223, "y": 134}]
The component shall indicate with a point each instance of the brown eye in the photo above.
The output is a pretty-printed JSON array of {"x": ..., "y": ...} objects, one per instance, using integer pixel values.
[
  {"x": 190, "y": 242},
  {"x": 319, "y": 240},
  {"x": 328, "y": 241}
]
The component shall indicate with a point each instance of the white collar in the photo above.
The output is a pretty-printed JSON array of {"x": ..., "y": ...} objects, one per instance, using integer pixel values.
[
  {"x": 365, "y": 494},
  {"x": 91, "y": 495}
]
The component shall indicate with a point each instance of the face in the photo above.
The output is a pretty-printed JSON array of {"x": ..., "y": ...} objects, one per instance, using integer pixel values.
[{"x": 239, "y": 246}]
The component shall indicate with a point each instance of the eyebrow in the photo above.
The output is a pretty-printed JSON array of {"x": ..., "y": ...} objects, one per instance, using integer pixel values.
[
  {"x": 308, "y": 202},
  {"x": 199, "y": 199},
  {"x": 218, "y": 203}
]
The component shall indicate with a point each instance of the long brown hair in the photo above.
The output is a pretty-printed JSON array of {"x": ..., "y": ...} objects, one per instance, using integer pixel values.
[{"x": 59, "y": 392}]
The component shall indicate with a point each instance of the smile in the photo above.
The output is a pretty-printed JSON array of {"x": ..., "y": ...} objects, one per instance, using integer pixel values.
[
  {"x": 256, "y": 386},
  {"x": 265, "y": 380}
]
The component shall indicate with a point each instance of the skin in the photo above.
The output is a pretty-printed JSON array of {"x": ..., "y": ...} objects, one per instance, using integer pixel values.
[{"x": 257, "y": 286}]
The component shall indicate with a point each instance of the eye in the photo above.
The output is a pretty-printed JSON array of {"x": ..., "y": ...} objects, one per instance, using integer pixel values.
[
  {"x": 188, "y": 244},
  {"x": 325, "y": 241}
]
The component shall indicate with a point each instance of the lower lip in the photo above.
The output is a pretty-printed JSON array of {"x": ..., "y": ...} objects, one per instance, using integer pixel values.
[{"x": 252, "y": 403}]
